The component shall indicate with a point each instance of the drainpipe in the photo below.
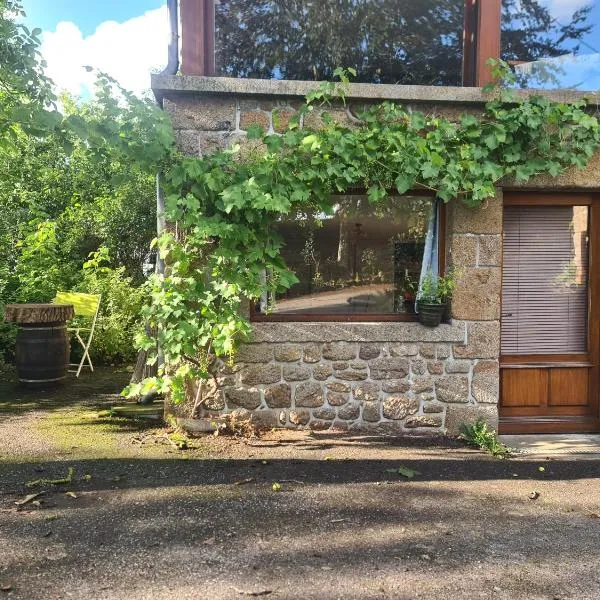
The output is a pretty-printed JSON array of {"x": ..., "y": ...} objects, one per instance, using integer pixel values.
[{"x": 171, "y": 69}]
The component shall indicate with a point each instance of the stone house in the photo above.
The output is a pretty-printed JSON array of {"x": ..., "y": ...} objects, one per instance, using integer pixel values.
[{"x": 521, "y": 349}]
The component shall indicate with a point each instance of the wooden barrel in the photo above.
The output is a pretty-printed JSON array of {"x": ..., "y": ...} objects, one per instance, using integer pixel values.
[{"x": 42, "y": 353}]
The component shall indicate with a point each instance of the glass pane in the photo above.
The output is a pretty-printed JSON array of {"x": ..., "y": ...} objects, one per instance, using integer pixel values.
[
  {"x": 363, "y": 259},
  {"x": 545, "y": 279},
  {"x": 386, "y": 41},
  {"x": 554, "y": 44}
]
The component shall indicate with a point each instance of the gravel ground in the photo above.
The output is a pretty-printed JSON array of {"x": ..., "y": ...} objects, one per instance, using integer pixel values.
[{"x": 149, "y": 521}]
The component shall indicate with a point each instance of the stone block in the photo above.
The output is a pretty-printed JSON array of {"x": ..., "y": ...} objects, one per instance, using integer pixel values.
[
  {"x": 348, "y": 412},
  {"x": 392, "y": 386},
  {"x": 366, "y": 392},
  {"x": 264, "y": 374},
  {"x": 338, "y": 386},
  {"x": 188, "y": 142},
  {"x": 457, "y": 415},
  {"x": 357, "y": 364},
  {"x": 458, "y": 366},
  {"x": 399, "y": 406},
  {"x": 463, "y": 250},
  {"x": 325, "y": 412},
  {"x": 389, "y": 368},
  {"x": 281, "y": 119},
  {"x": 266, "y": 419},
  {"x": 390, "y": 332},
  {"x": 319, "y": 425},
  {"x": 452, "y": 389},
  {"x": 339, "y": 351},
  {"x": 249, "y": 399},
  {"x": 418, "y": 367},
  {"x": 287, "y": 353},
  {"x": 194, "y": 112},
  {"x": 477, "y": 294},
  {"x": 312, "y": 353},
  {"x": 254, "y": 353},
  {"x": 278, "y": 396},
  {"x": 299, "y": 417},
  {"x": 322, "y": 372},
  {"x": 433, "y": 407},
  {"x": 309, "y": 394},
  {"x": 371, "y": 412},
  {"x": 404, "y": 349},
  {"x": 423, "y": 421},
  {"x": 421, "y": 384},
  {"x": 427, "y": 350},
  {"x": 251, "y": 118},
  {"x": 443, "y": 351},
  {"x": 435, "y": 367},
  {"x": 340, "y": 366},
  {"x": 296, "y": 372},
  {"x": 369, "y": 351},
  {"x": 483, "y": 341},
  {"x": 486, "y": 218},
  {"x": 490, "y": 251},
  {"x": 351, "y": 375},
  {"x": 337, "y": 398},
  {"x": 486, "y": 382}
]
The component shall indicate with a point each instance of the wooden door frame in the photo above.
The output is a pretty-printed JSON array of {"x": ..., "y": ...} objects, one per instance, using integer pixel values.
[{"x": 591, "y": 359}]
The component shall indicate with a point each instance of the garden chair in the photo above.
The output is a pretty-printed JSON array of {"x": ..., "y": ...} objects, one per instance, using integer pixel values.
[{"x": 85, "y": 305}]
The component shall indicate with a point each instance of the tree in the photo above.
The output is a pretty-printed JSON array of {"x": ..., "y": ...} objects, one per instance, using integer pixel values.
[{"x": 26, "y": 96}]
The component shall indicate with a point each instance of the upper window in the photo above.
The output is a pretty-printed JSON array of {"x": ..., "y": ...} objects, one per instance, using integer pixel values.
[
  {"x": 362, "y": 261},
  {"x": 386, "y": 41},
  {"x": 553, "y": 45}
]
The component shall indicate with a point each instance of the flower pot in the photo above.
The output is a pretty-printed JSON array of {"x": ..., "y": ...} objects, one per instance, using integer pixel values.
[
  {"x": 409, "y": 306},
  {"x": 430, "y": 315},
  {"x": 447, "y": 315}
]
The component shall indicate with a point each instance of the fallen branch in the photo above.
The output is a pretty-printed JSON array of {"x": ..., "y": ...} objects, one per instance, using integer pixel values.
[{"x": 63, "y": 481}]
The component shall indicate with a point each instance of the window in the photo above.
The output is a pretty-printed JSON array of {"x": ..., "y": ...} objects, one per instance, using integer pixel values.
[
  {"x": 361, "y": 263},
  {"x": 553, "y": 45},
  {"x": 545, "y": 279},
  {"x": 386, "y": 41}
]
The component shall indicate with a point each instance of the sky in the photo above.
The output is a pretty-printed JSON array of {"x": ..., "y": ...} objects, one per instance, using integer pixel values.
[{"x": 128, "y": 39}]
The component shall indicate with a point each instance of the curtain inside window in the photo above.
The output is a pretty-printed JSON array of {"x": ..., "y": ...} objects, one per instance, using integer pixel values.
[{"x": 431, "y": 250}]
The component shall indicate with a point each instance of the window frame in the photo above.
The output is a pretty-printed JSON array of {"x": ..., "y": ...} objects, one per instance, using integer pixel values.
[
  {"x": 362, "y": 317},
  {"x": 481, "y": 39}
]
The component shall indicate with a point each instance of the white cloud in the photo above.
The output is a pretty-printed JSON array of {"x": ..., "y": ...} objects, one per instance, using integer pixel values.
[
  {"x": 564, "y": 9},
  {"x": 127, "y": 51}
]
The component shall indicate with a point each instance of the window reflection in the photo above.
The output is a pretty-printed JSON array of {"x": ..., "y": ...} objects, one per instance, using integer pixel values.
[
  {"x": 386, "y": 41},
  {"x": 553, "y": 45},
  {"x": 362, "y": 259}
]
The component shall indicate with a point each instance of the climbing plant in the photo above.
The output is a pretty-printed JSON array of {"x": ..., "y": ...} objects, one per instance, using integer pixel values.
[{"x": 223, "y": 207}]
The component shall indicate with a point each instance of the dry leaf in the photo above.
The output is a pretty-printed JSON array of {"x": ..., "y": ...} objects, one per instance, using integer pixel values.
[{"x": 71, "y": 494}]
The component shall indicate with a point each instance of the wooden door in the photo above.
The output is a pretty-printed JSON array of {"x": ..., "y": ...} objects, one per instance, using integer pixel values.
[{"x": 550, "y": 318}]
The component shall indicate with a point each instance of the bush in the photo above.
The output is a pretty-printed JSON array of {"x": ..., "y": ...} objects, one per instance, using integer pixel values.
[{"x": 119, "y": 319}]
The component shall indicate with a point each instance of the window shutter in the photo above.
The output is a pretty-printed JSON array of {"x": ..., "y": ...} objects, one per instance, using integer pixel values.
[{"x": 545, "y": 279}]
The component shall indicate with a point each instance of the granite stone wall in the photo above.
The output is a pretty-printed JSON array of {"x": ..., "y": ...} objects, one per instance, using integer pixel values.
[{"x": 381, "y": 377}]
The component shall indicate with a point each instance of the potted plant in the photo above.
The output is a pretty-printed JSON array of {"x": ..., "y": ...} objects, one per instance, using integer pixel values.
[
  {"x": 446, "y": 287},
  {"x": 430, "y": 304}
]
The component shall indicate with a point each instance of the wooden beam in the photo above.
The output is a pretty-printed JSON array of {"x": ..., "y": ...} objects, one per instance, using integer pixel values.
[
  {"x": 197, "y": 37},
  {"x": 489, "y": 20}
]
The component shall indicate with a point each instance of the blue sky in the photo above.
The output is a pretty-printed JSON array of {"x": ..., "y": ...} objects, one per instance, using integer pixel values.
[{"x": 87, "y": 14}]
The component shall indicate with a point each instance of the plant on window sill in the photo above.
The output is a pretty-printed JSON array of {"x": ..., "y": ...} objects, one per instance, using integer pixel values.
[{"x": 225, "y": 204}]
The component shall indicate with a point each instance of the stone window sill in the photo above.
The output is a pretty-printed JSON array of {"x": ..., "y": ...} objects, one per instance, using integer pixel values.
[{"x": 303, "y": 332}]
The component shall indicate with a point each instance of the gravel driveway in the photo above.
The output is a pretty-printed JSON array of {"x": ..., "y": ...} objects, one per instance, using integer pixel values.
[{"x": 143, "y": 520}]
